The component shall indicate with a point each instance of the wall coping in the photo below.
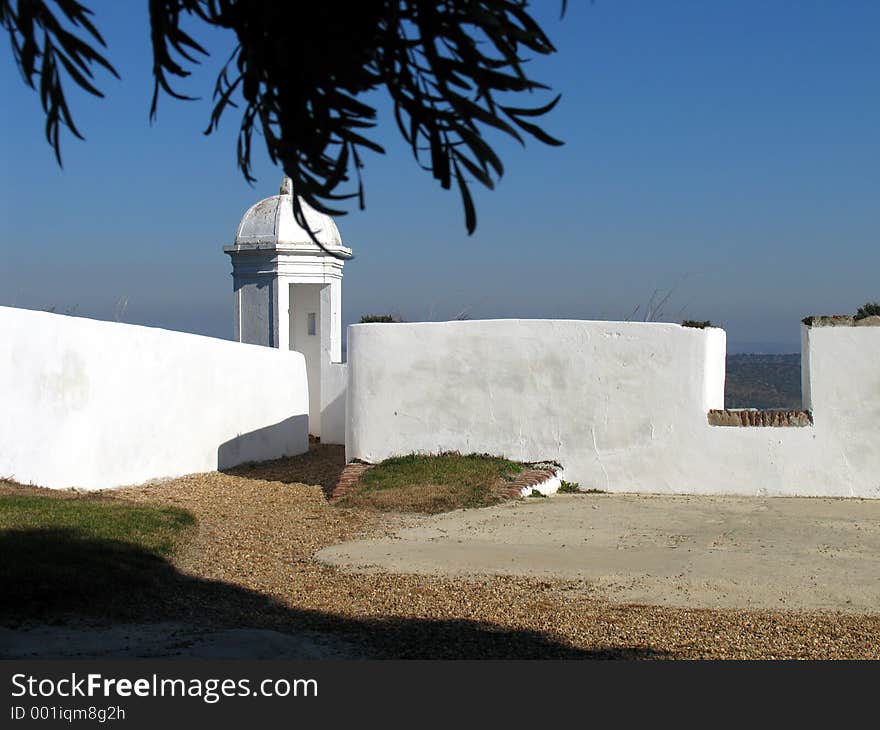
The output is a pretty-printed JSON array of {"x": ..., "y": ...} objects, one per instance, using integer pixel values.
[
  {"x": 752, "y": 417},
  {"x": 841, "y": 320}
]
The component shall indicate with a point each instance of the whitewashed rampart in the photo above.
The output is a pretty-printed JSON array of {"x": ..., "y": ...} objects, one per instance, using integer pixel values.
[
  {"x": 622, "y": 406},
  {"x": 95, "y": 404}
]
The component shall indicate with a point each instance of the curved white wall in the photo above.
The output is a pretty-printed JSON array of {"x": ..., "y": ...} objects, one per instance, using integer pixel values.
[
  {"x": 622, "y": 406},
  {"x": 99, "y": 404}
]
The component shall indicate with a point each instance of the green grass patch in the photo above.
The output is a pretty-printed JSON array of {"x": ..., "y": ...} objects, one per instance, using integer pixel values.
[
  {"x": 433, "y": 483},
  {"x": 153, "y": 529},
  {"x": 83, "y": 553},
  {"x": 569, "y": 487}
]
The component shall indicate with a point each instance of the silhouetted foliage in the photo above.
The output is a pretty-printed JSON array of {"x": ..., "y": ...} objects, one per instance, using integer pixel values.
[
  {"x": 382, "y": 318},
  {"x": 29, "y": 22},
  {"x": 297, "y": 72},
  {"x": 870, "y": 309}
]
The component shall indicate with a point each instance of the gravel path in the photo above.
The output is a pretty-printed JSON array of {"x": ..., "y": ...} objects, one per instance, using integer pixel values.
[{"x": 251, "y": 565}]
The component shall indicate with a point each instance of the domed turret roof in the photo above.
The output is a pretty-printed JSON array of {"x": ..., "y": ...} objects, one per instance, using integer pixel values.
[{"x": 271, "y": 221}]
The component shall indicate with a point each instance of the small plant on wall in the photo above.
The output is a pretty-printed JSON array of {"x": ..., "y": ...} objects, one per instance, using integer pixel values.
[
  {"x": 372, "y": 318},
  {"x": 698, "y": 323},
  {"x": 870, "y": 309}
]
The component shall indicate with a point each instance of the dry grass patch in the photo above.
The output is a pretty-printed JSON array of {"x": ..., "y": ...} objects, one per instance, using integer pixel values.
[{"x": 432, "y": 483}]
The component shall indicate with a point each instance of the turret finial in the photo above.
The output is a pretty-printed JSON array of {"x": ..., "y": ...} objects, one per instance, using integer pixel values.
[{"x": 286, "y": 186}]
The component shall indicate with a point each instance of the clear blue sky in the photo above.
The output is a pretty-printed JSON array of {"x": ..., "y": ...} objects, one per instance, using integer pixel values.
[{"x": 728, "y": 149}]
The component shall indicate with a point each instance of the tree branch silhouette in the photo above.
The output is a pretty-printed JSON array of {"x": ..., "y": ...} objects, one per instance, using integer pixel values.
[{"x": 299, "y": 70}]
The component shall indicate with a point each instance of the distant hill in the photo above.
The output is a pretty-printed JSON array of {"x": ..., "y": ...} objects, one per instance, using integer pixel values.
[{"x": 763, "y": 381}]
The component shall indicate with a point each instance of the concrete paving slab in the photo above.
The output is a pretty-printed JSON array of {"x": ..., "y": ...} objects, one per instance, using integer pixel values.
[{"x": 713, "y": 552}]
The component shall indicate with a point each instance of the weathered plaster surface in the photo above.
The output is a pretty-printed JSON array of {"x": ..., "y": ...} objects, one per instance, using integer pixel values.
[
  {"x": 99, "y": 404},
  {"x": 622, "y": 406}
]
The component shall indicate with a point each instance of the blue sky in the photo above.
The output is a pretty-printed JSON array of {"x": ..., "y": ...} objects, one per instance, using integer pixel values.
[{"x": 728, "y": 150}]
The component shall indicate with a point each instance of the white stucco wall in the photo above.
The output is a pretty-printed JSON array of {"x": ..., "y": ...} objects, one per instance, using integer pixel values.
[
  {"x": 334, "y": 381},
  {"x": 622, "y": 406},
  {"x": 99, "y": 404},
  {"x": 305, "y": 299}
]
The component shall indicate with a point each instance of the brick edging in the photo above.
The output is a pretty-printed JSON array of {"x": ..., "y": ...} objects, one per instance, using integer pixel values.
[
  {"x": 746, "y": 417},
  {"x": 349, "y": 477},
  {"x": 530, "y": 477}
]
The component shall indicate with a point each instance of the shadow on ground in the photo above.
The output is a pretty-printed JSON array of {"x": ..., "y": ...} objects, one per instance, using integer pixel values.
[
  {"x": 322, "y": 464},
  {"x": 56, "y": 576}
]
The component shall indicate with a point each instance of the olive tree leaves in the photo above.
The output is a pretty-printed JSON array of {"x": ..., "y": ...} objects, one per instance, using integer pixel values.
[
  {"x": 299, "y": 71},
  {"x": 43, "y": 47},
  {"x": 444, "y": 70}
]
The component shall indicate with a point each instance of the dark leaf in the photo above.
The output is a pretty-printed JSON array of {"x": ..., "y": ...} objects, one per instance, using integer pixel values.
[{"x": 299, "y": 75}]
